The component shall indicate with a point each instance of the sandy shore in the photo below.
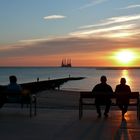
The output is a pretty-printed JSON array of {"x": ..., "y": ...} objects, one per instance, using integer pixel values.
[{"x": 58, "y": 99}]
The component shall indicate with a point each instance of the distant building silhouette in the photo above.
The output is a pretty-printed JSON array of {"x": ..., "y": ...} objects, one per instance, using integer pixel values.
[{"x": 66, "y": 63}]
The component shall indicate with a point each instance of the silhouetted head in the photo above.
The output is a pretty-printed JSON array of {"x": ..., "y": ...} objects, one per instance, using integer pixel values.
[
  {"x": 123, "y": 81},
  {"x": 13, "y": 79},
  {"x": 103, "y": 79}
]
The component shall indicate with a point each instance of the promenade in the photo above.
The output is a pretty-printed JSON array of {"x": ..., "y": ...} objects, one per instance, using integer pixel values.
[
  {"x": 62, "y": 123},
  {"x": 59, "y": 124}
]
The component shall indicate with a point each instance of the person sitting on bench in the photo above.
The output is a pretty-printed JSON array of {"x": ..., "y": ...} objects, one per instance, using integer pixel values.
[
  {"x": 123, "y": 91},
  {"x": 13, "y": 87},
  {"x": 103, "y": 87},
  {"x": 13, "y": 90}
]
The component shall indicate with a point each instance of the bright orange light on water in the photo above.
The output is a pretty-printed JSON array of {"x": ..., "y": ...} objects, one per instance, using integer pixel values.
[
  {"x": 129, "y": 78},
  {"x": 125, "y": 74},
  {"x": 125, "y": 56}
]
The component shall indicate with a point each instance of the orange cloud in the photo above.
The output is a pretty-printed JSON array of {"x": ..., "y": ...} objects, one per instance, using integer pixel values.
[{"x": 84, "y": 51}]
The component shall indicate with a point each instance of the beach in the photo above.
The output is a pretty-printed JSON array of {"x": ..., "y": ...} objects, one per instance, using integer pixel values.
[{"x": 58, "y": 99}]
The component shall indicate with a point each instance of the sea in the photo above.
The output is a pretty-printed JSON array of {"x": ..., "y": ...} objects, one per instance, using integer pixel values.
[{"x": 92, "y": 76}]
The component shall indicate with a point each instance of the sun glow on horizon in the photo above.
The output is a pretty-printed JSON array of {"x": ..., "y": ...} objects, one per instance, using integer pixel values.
[{"x": 125, "y": 57}]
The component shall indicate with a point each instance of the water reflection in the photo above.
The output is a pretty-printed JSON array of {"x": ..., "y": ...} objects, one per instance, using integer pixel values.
[
  {"x": 128, "y": 76},
  {"x": 125, "y": 74}
]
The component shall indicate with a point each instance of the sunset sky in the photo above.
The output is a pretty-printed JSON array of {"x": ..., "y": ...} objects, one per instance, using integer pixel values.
[{"x": 89, "y": 32}]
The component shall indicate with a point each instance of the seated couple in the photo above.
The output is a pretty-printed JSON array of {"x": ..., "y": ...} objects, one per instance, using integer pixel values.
[
  {"x": 122, "y": 91},
  {"x": 12, "y": 90}
]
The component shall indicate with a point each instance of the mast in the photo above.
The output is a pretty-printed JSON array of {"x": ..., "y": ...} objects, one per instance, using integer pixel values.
[
  {"x": 66, "y": 63},
  {"x": 62, "y": 64}
]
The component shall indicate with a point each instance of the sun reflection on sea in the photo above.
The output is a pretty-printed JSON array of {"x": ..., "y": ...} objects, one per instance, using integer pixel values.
[{"x": 125, "y": 74}]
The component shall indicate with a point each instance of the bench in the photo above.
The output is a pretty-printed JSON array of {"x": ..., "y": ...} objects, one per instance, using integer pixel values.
[
  {"x": 86, "y": 95},
  {"x": 29, "y": 100}
]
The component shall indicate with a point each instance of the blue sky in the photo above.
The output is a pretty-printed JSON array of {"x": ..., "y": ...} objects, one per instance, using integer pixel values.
[{"x": 33, "y": 29}]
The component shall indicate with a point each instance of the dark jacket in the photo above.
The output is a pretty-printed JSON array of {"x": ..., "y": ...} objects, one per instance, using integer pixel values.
[
  {"x": 102, "y": 89},
  {"x": 123, "y": 93}
]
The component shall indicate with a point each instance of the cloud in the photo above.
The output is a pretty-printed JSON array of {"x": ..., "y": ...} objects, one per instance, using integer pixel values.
[
  {"x": 131, "y": 6},
  {"x": 82, "y": 41},
  {"x": 118, "y": 31},
  {"x": 114, "y": 27},
  {"x": 114, "y": 20},
  {"x": 91, "y": 43},
  {"x": 93, "y": 3},
  {"x": 50, "y": 51},
  {"x": 52, "y": 17},
  {"x": 57, "y": 46}
]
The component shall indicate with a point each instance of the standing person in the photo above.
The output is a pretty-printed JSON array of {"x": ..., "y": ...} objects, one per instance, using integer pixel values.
[
  {"x": 123, "y": 91},
  {"x": 99, "y": 89}
]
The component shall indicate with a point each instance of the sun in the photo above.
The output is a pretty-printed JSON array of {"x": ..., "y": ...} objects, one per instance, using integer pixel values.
[{"x": 125, "y": 56}]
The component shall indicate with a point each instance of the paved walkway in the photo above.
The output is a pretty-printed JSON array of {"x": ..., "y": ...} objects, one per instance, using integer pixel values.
[{"x": 59, "y": 124}]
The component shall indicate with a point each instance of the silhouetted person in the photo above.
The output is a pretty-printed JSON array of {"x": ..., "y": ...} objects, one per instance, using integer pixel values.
[
  {"x": 106, "y": 90},
  {"x": 37, "y": 79},
  {"x": 123, "y": 92},
  {"x": 13, "y": 87}
]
